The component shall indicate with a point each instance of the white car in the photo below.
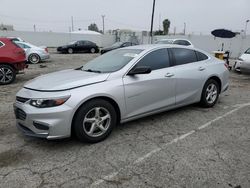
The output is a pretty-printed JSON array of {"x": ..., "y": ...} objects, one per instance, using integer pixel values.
[
  {"x": 117, "y": 87},
  {"x": 14, "y": 39},
  {"x": 34, "y": 54},
  {"x": 183, "y": 42},
  {"x": 243, "y": 62}
]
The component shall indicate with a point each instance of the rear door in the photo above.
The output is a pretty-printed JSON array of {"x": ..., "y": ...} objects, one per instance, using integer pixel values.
[
  {"x": 190, "y": 74},
  {"x": 154, "y": 91}
]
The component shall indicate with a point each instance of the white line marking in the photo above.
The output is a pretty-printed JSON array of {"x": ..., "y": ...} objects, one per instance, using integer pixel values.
[{"x": 141, "y": 159}]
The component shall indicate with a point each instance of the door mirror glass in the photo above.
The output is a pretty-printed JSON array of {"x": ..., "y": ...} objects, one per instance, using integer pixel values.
[{"x": 140, "y": 70}]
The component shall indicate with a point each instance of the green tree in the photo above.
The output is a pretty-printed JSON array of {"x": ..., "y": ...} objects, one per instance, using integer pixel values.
[
  {"x": 166, "y": 26},
  {"x": 93, "y": 27},
  {"x": 158, "y": 32}
]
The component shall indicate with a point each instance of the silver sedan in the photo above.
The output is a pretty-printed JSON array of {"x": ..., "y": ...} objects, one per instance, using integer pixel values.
[
  {"x": 120, "y": 86},
  {"x": 34, "y": 54}
]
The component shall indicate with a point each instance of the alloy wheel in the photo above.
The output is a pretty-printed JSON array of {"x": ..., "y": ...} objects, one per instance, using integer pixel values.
[
  {"x": 96, "y": 122},
  {"x": 6, "y": 75},
  {"x": 211, "y": 93},
  {"x": 34, "y": 58}
]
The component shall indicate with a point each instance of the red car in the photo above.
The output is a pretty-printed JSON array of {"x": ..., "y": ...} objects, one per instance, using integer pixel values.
[{"x": 12, "y": 60}]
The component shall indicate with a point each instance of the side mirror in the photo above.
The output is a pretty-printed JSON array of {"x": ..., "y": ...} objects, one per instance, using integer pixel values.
[{"x": 139, "y": 70}]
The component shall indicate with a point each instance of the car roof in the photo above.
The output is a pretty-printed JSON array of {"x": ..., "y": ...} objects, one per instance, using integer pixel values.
[
  {"x": 149, "y": 47},
  {"x": 155, "y": 46},
  {"x": 5, "y": 39}
]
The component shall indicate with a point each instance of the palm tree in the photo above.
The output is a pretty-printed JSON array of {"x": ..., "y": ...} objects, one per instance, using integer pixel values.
[{"x": 166, "y": 26}]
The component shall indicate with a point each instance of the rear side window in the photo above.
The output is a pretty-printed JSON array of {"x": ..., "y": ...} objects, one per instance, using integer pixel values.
[
  {"x": 1, "y": 44},
  {"x": 183, "y": 56},
  {"x": 182, "y": 42},
  {"x": 157, "y": 59},
  {"x": 201, "y": 56}
]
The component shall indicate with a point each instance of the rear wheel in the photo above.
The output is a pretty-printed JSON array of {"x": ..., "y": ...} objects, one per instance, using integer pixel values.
[
  {"x": 94, "y": 121},
  {"x": 34, "y": 58},
  {"x": 7, "y": 74},
  {"x": 210, "y": 93}
]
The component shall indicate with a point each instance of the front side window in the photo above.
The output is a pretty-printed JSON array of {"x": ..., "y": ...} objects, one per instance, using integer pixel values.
[
  {"x": 1, "y": 44},
  {"x": 184, "y": 56},
  {"x": 111, "y": 61},
  {"x": 157, "y": 59},
  {"x": 126, "y": 44}
]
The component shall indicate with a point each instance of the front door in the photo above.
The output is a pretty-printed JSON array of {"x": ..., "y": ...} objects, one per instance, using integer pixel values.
[{"x": 154, "y": 91}]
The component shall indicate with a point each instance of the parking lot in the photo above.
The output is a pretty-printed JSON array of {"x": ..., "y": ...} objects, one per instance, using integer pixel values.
[{"x": 187, "y": 147}]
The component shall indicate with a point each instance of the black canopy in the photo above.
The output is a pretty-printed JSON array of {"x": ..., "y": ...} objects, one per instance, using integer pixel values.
[{"x": 223, "y": 33}]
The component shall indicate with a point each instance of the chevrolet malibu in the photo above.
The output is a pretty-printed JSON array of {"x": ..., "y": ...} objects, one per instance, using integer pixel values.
[{"x": 120, "y": 86}]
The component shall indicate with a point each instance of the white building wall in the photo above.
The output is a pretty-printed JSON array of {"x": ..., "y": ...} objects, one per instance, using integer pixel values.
[
  {"x": 205, "y": 42},
  {"x": 52, "y": 39},
  {"x": 208, "y": 43}
]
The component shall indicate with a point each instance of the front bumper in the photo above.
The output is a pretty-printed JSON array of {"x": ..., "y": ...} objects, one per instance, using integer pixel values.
[{"x": 49, "y": 123}]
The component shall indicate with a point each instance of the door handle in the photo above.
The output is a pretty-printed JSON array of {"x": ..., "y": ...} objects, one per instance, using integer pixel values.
[
  {"x": 202, "y": 68},
  {"x": 169, "y": 75}
]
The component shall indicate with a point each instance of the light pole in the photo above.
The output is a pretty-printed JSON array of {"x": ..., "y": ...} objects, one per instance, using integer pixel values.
[
  {"x": 152, "y": 22},
  {"x": 184, "y": 31},
  {"x": 72, "y": 23},
  {"x": 246, "y": 27},
  {"x": 103, "y": 23}
]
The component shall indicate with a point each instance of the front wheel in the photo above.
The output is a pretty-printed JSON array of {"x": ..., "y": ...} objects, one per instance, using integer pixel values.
[
  {"x": 210, "y": 93},
  {"x": 92, "y": 50},
  {"x": 7, "y": 74},
  {"x": 94, "y": 121},
  {"x": 70, "y": 51}
]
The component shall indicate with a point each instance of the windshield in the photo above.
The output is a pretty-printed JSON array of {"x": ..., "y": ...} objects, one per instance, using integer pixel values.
[
  {"x": 164, "y": 42},
  {"x": 117, "y": 44},
  {"x": 72, "y": 42},
  {"x": 111, "y": 61},
  {"x": 248, "y": 51}
]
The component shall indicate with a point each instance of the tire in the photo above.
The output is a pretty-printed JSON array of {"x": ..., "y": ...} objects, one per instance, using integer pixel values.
[
  {"x": 94, "y": 121},
  {"x": 70, "y": 51},
  {"x": 92, "y": 50},
  {"x": 34, "y": 58},
  {"x": 210, "y": 93},
  {"x": 7, "y": 74}
]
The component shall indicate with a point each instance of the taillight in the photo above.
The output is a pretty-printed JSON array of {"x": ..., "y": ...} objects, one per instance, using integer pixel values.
[
  {"x": 226, "y": 65},
  {"x": 46, "y": 50}
]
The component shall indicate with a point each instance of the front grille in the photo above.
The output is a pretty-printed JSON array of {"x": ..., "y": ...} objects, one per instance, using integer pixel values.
[
  {"x": 21, "y": 99},
  {"x": 20, "y": 114}
]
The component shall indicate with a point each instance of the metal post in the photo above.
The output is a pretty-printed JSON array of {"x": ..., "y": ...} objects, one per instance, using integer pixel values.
[
  {"x": 246, "y": 27},
  {"x": 72, "y": 23},
  {"x": 184, "y": 31},
  {"x": 152, "y": 22},
  {"x": 103, "y": 16}
]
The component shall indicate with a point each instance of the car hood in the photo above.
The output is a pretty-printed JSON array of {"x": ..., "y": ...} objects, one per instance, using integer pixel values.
[
  {"x": 65, "y": 80},
  {"x": 110, "y": 48},
  {"x": 245, "y": 57}
]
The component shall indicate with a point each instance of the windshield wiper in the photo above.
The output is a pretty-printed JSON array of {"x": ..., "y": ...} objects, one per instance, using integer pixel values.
[{"x": 90, "y": 70}]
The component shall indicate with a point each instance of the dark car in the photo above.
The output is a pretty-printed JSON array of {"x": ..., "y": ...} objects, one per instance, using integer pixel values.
[
  {"x": 116, "y": 46},
  {"x": 79, "y": 46},
  {"x": 12, "y": 60}
]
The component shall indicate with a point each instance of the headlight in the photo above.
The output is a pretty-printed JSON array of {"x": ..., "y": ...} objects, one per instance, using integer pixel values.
[{"x": 46, "y": 103}]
